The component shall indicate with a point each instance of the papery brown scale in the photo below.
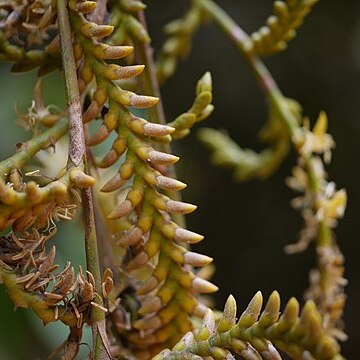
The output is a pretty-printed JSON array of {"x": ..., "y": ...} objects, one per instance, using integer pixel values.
[
  {"x": 107, "y": 286},
  {"x": 87, "y": 293},
  {"x": 81, "y": 85},
  {"x": 43, "y": 213},
  {"x": 25, "y": 278},
  {"x": 65, "y": 283},
  {"x": 52, "y": 299}
]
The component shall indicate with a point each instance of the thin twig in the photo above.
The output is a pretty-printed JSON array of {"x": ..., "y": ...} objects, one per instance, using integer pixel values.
[
  {"x": 77, "y": 154},
  {"x": 28, "y": 150},
  {"x": 77, "y": 137}
]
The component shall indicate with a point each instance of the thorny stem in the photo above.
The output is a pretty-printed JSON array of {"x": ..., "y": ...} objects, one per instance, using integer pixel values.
[
  {"x": 28, "y": 150},
  {"x": 151, "y": 87},
  {"x": 77, "y": 154}
]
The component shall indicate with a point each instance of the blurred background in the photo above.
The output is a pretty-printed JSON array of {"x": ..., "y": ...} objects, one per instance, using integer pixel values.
[{"x": 246, "y": 225}]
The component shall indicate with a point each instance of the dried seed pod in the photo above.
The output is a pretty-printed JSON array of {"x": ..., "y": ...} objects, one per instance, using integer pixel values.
[{"x": 65, "y": 283}]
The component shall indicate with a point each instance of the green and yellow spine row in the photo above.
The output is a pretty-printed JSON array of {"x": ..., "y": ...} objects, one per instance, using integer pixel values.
[
  {"x": 247, "y": 164},
  {"x": 281, "y": 27},
  {"x": 168, "y": 295},
  {"x": 200, "y": 110},
  {"x": 127, "y": 27},
  {"x": 24, "y": 205},
  {"x": 258, "y": 334},
  {"x": 178, "y": 45}
]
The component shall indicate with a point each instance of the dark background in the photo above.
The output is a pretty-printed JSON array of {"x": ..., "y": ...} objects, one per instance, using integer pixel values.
[{"x": 246, "y": 225}]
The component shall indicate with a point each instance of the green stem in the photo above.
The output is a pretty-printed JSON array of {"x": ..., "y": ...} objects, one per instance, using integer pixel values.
[
  {"x": 324, "y": 233},
  {"x": 324, "y": 238},
  {"x": 77, "y": 154},
  {"x": 28, "y": 150},
  {"x": 92, "y": 260}
]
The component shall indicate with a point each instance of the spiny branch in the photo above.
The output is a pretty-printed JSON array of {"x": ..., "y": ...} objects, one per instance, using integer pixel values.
[{"x": 257, "y": 334}]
